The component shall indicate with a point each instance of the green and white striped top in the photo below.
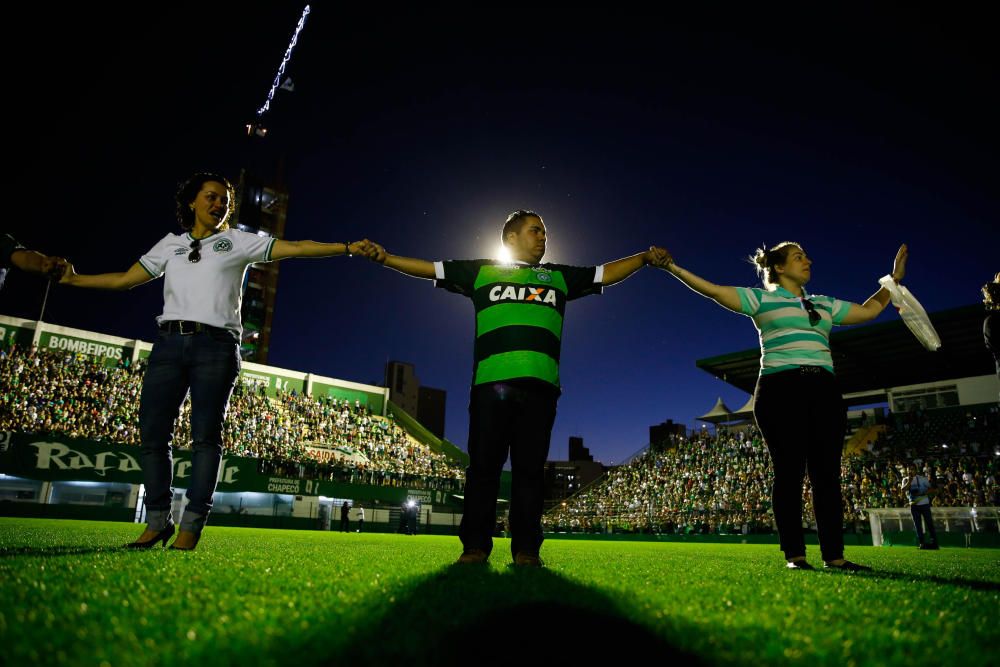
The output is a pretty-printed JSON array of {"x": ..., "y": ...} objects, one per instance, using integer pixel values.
[
  {"x": 787, "y": 340},
  {"x": 519, "y": 313}
]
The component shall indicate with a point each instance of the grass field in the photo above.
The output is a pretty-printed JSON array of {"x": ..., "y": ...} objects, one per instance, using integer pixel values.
[{"x": 268, "y": 597}]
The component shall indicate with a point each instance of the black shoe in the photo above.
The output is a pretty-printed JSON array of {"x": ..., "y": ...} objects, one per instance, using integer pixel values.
[
  {"x": 160, "y": 537},
  {"x": 799, "y": 565},
  {"x": 933, "y": 546},
  {"x": 847, "y": 566}
]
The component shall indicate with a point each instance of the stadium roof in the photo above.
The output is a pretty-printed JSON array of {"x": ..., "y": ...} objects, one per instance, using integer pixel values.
[
  {"x": 879, "y": 356},
  {"x": 719, "y": 413}
]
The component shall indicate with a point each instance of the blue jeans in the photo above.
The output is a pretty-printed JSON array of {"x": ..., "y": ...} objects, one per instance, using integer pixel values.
[{"x": 207, "y": 364}]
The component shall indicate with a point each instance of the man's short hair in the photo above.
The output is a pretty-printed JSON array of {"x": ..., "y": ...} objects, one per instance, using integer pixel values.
[{"x": 515, "y": 221}]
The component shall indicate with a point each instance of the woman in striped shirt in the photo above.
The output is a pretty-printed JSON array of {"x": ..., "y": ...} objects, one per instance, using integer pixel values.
[{"x": 797, "y": 404}]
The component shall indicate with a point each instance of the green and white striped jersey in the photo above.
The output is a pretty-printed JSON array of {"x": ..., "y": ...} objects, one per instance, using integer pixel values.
[
  {"x": 519, "y": 313},
  {"x": 787, "y": 340}
]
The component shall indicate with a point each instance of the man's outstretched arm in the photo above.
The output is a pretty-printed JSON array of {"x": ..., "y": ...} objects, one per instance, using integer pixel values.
[
  {"x": 620, "y": 269},
  {"x": 411, "y": 266}
]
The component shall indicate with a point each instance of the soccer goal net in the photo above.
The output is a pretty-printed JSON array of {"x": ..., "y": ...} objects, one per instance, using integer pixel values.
[{"x": 889, "y": 521}]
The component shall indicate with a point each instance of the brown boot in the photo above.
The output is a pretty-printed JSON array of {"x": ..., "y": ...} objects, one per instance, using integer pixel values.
[
  {"x": 525, "y": 559},
  {"x": 473, "y": 557},
  {"x": 186, "y": 541},
  {"x": 149, "y": 538}
]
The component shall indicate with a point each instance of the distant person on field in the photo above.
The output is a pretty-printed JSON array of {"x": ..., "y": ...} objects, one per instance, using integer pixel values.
[{"x": 919, "y": 489}]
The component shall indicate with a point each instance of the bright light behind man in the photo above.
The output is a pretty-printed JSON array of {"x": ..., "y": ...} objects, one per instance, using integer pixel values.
[{"x": 503, "y": 254}]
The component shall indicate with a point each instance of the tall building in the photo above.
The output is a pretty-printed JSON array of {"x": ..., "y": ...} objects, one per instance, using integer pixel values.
[
  {"x": 426, "y": 404},
  {"x": 577, "y": 452},
  {"x": 564, "y": 478},
  {"x": 262, "y": 208},
  {"x": 404, "y": 386},
  {"x": 430, "y": 409}
]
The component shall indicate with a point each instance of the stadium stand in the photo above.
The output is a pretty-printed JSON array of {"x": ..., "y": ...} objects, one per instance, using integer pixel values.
[
  {"x": 705, "y": 484},
  {"x": 71, "y": 393},
  {"x": 721, "y": 484}
]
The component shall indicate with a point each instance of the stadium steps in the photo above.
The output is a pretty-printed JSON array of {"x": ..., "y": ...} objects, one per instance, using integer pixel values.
[{"x": 858, "y": 442}]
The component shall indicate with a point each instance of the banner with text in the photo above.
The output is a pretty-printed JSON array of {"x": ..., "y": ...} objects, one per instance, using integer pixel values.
[
  {"x": 56, "y": 458},
  {"x": 109, "y": 353}
]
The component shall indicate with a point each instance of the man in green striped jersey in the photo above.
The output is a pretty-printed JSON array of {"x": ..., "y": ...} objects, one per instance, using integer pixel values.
[{"x": 519, "y": 306}]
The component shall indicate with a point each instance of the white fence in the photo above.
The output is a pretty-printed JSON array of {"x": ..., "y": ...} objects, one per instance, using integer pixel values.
[{"x": 953, "y": 519}]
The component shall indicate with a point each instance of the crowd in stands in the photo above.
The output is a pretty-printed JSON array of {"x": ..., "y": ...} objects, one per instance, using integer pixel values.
[
  {"x": 72, "y": 394},
  {"x": 706, "y": 483},
  {"x": 76, "y": 395},
  {"x": 722, "y": 483}
]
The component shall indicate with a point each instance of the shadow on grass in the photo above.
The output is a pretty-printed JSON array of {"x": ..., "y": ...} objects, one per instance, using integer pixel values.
[
  {"x": 472, "y": 615},
  {"x": 972, "y": 584}
]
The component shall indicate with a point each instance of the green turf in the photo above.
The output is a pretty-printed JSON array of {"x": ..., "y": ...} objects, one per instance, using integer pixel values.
[{"x": 268, "y": 597}]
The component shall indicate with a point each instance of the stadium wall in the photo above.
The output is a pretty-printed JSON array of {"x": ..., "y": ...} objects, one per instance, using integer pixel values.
[
  {"x": 80, "y": 512},
  {"x": 59, "y": 458},
  {"x": 962, "y": 391},
  {"x": 70, "y": 478}
]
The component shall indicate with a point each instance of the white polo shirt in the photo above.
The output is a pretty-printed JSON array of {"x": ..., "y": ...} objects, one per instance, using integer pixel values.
[{"x": 209, "y": 291}]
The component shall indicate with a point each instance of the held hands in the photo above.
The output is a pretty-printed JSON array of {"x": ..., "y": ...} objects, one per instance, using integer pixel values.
[
  {"x": 357, "y": 247},
  {"x": 658, "y": 257},
  {"x": 899, "y": 264},
  {"x": 54, "y": 267},
  {"x": 66, "y": 273},
  {"x": 371, "y": 250}
]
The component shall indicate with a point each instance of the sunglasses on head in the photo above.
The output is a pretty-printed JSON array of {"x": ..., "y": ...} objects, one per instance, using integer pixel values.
[
  {"x": 195, "y": 255},
  {"x": 814, "y": 316}
]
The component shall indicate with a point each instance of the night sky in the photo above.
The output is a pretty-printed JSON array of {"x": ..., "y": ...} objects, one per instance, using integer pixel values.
[{"x": 422, "y": 128}]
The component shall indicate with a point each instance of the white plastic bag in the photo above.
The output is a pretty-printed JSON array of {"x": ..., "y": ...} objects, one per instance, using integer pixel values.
[{"x": 913, "y": 314}]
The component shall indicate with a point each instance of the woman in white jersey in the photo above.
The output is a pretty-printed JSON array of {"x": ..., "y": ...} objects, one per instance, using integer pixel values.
[
  {"x": 797, "y": 404},
  {"x": 197, "y": 348}
]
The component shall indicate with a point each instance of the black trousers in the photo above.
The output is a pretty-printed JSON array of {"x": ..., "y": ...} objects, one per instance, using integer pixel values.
[
  {"x": 512, "y": 417},
  {"x": 802, "y": 417},
  {"x": 919, "y": 512}
]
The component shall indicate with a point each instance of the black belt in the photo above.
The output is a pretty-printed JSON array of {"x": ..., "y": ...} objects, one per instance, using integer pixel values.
[
  {"x": 811, "y": 370},
  {"x": 186, "y": 327}
]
